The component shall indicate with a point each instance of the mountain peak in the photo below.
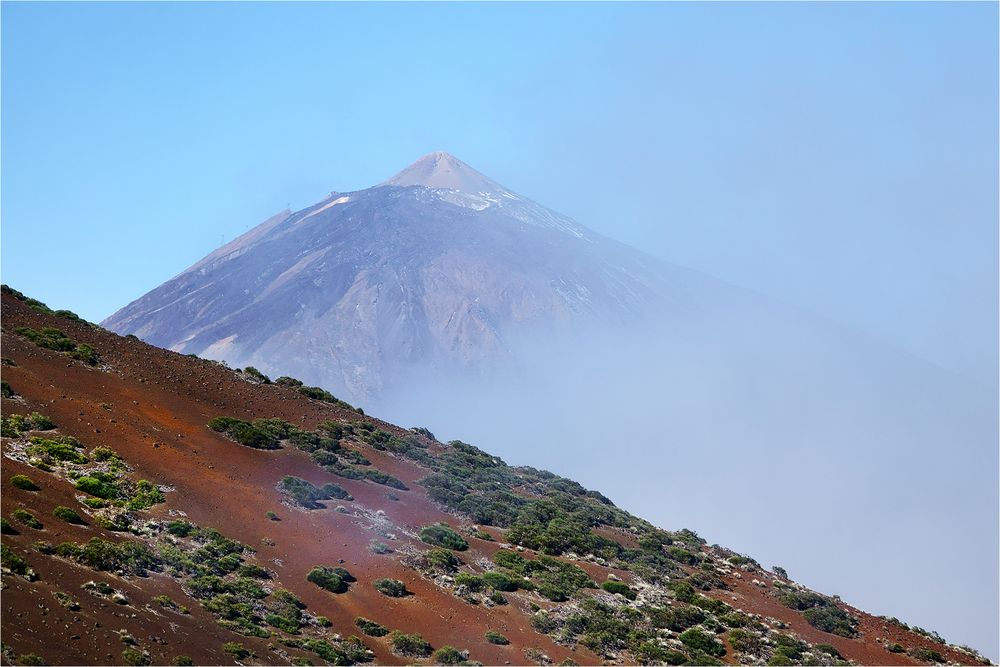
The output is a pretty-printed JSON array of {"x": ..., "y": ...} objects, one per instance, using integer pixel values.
[{"x": 443, "y": 170}]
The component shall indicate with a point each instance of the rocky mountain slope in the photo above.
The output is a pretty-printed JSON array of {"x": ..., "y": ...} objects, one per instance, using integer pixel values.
[
  {"x": 438, "y": 265},
  {"x": 160, "y": 508}
]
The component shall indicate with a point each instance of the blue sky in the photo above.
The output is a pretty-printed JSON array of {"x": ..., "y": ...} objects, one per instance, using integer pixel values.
[
  {"x": 842, "y": 157},
  {"x": 839, "y": 156}
]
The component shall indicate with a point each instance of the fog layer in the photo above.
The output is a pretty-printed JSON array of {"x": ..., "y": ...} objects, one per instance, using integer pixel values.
[{"x": 864, "y": 471}]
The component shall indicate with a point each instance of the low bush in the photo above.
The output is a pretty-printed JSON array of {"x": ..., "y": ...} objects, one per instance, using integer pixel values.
[
  {"x": 441, "y": 559},
  {"x": 619, "y": 588},
  {"x": 371, "y": 628},
  {"x": 23, "y": 482},
  {"x": 131, "y": 656},
  {"x": 6, "y": 528},
  {"x": 442, "y": 535},
  {"x": 831, "y": 619},
  {"x": 413, "y": 646},
  {"x": 925, "y": 654},
  {"x": 60, "y": 448},
  {"x": 494, "y": 637},
  {"x": 256, "y": 376},
  {"x": 327, "y": 578},
  {"x": 448, "y": 655},
  {"x": 54, "y": 339},
  {"x": 385, "y": 479},
  {"x": 97, "y": 487},
  {"x": 68, "y": 515},
  {"x": 237, "y": 650},
  {"x": 702, "y": 641},
  {"x": 394, "y": 588},
  {"x": 26, "y": 518},
  {"x": 307, "y": 495},
  {"x": 245, "y": 433}
]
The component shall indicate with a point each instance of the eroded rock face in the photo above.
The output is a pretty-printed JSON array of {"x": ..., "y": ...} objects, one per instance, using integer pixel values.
[{"x": 437, "y": 265}]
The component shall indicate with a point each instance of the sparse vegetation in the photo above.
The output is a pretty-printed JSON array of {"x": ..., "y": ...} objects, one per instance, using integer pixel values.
[
  {"x": 54, "y": 339},
  {"x": 245, "y": 433}
]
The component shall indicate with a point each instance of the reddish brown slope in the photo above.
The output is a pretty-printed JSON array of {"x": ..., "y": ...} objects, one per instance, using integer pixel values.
[{"x": 152, "y": 407}]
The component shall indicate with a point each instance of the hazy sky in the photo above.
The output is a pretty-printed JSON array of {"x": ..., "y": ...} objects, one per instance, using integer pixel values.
[{"x": 842, "y": 157}]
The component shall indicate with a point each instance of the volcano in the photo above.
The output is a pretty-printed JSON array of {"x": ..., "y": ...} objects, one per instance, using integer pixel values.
[{"x": 439, "y": 265}]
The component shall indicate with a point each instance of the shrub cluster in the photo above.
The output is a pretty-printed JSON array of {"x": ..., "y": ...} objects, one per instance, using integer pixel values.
[
  {"x": 305, "y": 494},
  {"x": 413, "y": 646},
  {"x": 54, "y": 339},
  {"x": 442, "y": 535},
  {"x": 371, "y": 628},
  {"x": 394, "y": 588},
  {"x": 333, "y": 579}
]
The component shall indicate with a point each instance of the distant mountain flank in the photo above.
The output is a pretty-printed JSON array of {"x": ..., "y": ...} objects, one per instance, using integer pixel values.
[{"x": 437, "y": 265}]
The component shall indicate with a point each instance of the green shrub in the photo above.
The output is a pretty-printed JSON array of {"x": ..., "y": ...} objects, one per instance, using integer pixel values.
[
  {"x": 831, "y": 619},
  {"x": 12, "y": 561},
  {"x": 6, "y": 528},
  {"x": 925, "y": 654},
  {"x": 494, "y": 637},
  {"x": 371, "y": 628},
  {"x": 40, "y": 422},
  {"x": 96, "y": 487},
  {"x": 54, "y": 339},
  {"x": 23, "y": 482},
  {"x": 131, "y": 656},
  {"x": 68, "y": 515},
  {"x": 441, "y": 559},
  {"x": 442, "y": 535},
  {"x": 384, "y": 479},
  {"x": 146, "y": 495},
  {"x": 409, "y": 645},
  {"x": 394, "y": 588},
  {"x": 256, "y": 375},
  {"x": 702, "y": 641},
  {"x": 306, "y": 495},
  {"x": 894, "y": 648},
  {"x": 448, "y": 655},
  {"x": 237, "y": 650},
  {"x": 327, "y": 578},
  {"x": 745, "y": 642},
  {"x": 59, "y": 448},
  {"x": 180, "y": 528},
  {"x": 473, "y": 582},
  {"x": 245, "y": 433},
  {"x": 6, "y": 390},
  {"x": 182, "y": 660},
  {"x": 499, "y": 581},
  {"x": 619, "y": 588},
  {"x": 26, "y": 518},
  {"x": 286, "y": 381},
  {"x": 829, "y": 650}
]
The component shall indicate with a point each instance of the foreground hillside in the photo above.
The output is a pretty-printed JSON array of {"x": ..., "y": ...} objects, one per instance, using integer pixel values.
[{"x": 164, "y": 509}]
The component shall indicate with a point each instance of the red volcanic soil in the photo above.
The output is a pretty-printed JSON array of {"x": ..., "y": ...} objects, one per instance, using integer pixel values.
[{"x": 152, "y": 406}]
